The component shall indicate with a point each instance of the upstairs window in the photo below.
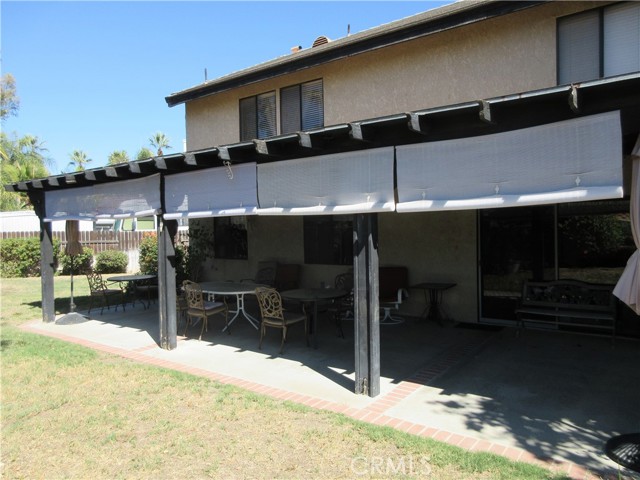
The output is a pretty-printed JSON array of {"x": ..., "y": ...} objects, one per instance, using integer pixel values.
[
  {"x": 599, "y": 43},
  {"x": 258, "y": 116},
  {"x": 301, "y": 107}
]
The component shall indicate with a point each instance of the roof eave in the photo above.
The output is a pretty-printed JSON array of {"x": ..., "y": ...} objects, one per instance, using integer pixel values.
[{"x": 428, "y": 23}]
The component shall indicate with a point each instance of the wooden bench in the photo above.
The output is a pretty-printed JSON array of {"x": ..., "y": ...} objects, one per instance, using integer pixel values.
[{"x": 569, "y": 303}]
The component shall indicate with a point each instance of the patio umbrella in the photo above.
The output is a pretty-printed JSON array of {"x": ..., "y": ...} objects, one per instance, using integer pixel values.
[
  {"x": 72, "y": 249},
  {"x": 628, "y": 287}
]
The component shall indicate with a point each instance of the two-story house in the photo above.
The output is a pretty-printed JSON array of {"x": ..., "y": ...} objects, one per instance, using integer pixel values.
[{"x": 481, "y": 144}]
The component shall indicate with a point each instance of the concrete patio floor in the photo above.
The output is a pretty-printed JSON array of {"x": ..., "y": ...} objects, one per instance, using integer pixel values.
[{"x": 544, "y": 397}]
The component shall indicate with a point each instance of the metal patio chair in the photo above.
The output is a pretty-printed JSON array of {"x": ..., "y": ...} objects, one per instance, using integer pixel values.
[{"x": 273, "y": 315}]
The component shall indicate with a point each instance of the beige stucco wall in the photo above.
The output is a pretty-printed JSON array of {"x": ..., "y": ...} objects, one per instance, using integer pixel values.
[
  {"x": 496, "y": 57},
  {"x": 438, "y": 247}
]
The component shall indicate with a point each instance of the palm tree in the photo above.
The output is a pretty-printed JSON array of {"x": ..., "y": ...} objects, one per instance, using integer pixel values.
[
  {"x": 144, "y": 153},
  {"x": 118, "y": 156},
  {"x": 159, "y": 140},
  {"x": 79, "y": 159}
]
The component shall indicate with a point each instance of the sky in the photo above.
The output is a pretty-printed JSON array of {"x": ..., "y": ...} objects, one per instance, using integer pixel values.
[{"x": 93, "y": 76}]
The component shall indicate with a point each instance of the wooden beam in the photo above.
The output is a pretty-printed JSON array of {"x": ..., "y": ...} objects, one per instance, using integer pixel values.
[
  {"x": 366, "y": 308},
  {"x": 167, "y": 230},
  {"x": 47, "y": 264},
  {"x": 320, "y": 138}
]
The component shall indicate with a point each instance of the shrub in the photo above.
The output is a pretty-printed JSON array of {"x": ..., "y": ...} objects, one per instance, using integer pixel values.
[
  {"x": 149, "y": 258},
  {"x": 20, "y": 257},
  {"x": 149, "y": 254},
  {"x": 81, "y": 263},
  {"x": 111, "y": 261}
]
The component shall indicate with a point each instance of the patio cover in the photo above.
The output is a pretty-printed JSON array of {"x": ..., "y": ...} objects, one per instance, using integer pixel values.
[
  {"x": 211, "y": 192},
  {"x": 130, "y": 198},
  {"x": 628, "y": 287},
  {"x": 341, "y": 183},
  {"x": 568, "y": 161}
]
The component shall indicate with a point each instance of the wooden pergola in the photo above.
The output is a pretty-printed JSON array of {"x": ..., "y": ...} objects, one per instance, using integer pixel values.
[{"x": 482, "y": 117}]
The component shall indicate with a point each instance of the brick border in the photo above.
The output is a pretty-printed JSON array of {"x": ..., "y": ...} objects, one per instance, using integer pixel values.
[{"x": 373, "y": 413}]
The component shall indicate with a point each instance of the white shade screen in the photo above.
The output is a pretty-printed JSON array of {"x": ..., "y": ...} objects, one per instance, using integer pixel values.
[
  {"x": 213, "y": 192},
  {"x": 569, "y": 161},
  {"x": 128, "y": 198},
  {"x": 344, "y": 183}
]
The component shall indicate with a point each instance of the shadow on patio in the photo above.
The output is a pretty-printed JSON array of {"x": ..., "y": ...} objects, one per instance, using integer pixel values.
[{"x": 558, "y": 397}]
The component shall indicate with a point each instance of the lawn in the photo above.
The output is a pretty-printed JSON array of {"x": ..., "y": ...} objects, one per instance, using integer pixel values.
[{"x": 71, "y": 412}]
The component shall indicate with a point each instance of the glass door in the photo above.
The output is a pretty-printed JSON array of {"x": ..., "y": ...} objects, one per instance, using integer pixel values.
[{"x": 515, "y": 244}]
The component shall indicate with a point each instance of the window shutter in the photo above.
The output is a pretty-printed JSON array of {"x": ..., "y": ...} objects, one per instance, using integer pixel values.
[
  {"x": 312, "y": 105},
  {"x": 621, "y": 39},
  {"x": 290, "y": 109},
  {"x": 579, "y": 47},
  {"x": 266, "y": 115},
  {"x": 248, "y": 113}
]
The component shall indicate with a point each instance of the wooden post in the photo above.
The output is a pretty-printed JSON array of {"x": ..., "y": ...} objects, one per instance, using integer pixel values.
[
  {"x": 47, "y": 264},
  {"x": 167, "y": 230},
  {"x": 366, "y": 308}
]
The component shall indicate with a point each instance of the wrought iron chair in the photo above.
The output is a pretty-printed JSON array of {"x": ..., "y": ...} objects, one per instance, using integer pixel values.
[
  {"x": 342, "y": 308},
  {"x": 100, "y": 288},
  {"x": 200, "y": 309},
  {"x": 273, "y": 315}
]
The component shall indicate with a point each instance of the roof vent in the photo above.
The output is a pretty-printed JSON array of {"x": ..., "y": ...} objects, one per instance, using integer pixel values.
[{"x": 321, "y": 40}]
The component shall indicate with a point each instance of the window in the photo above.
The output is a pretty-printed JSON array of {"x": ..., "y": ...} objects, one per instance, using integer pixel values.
[
  {"x": 328, "y": 240},
  {"x": 302, "y": 107},
  {"x": 599, "y": 43},
  {"x": 258, "y": 116},
  {"x": 230, "y": 238}
]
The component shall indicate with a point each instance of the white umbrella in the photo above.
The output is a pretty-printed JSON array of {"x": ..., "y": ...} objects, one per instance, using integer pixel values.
[{"x": 628, "y": 287}]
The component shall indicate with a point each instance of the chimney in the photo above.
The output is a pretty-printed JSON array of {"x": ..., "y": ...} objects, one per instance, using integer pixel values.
[{"x": 295, "y": 49}]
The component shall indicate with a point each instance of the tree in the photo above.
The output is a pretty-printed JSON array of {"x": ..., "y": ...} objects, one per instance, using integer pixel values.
[
  {"x": 20, "y": 159},
  {"x": 9, "y": 101},
  {"x": 159, "y": 140},
  {"x": 144, "y": 153},
  {"x": 118, "y": 156},
  {"x": 79, "y": 160}
]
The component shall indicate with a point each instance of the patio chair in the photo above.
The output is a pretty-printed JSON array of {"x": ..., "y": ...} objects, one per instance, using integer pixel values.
[
  {"x": 342, "y": 308},
  {"x": 273, "y": 315},
  {"x": 99, "y": 288},
  {"x": 181, "y": 307},
  {"x": 200, "y": 309},
  {"x": 394, "y": 284},
  {"x": 266, "y": 274}
]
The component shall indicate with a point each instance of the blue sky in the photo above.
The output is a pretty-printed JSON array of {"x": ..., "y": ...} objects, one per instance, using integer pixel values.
[{"x": 93, "y": 76}]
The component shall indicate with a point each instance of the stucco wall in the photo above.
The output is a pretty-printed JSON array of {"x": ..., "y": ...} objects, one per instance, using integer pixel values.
[
  {"x": 496, "y": 57},
  {"x": 434, "y": 246}
]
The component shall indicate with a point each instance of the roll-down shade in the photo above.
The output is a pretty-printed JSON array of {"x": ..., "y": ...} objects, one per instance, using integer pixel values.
[
  {"x": 569, "y": 161},
  {"x": 129, "y": 198},
  {"x": 342, "y": 183},
  {"x": 212, "y": 192}
]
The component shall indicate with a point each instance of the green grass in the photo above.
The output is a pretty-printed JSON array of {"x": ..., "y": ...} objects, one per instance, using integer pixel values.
[{"x": 70, "y": 412}]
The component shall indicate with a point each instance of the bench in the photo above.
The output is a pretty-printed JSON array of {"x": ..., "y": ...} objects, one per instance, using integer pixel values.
[{"x": 569, "y": 303}]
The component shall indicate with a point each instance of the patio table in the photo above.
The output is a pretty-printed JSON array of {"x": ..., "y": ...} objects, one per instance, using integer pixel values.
[
  {"x": 311, "y": 296},
  {"x": 239, "y": 289},
  {"x": 131, "y": 281},
  {"x": 433, "y": 299}
]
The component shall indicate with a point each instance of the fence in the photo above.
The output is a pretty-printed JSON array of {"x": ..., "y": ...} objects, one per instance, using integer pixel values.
[{"x": 128, "y": 242}]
